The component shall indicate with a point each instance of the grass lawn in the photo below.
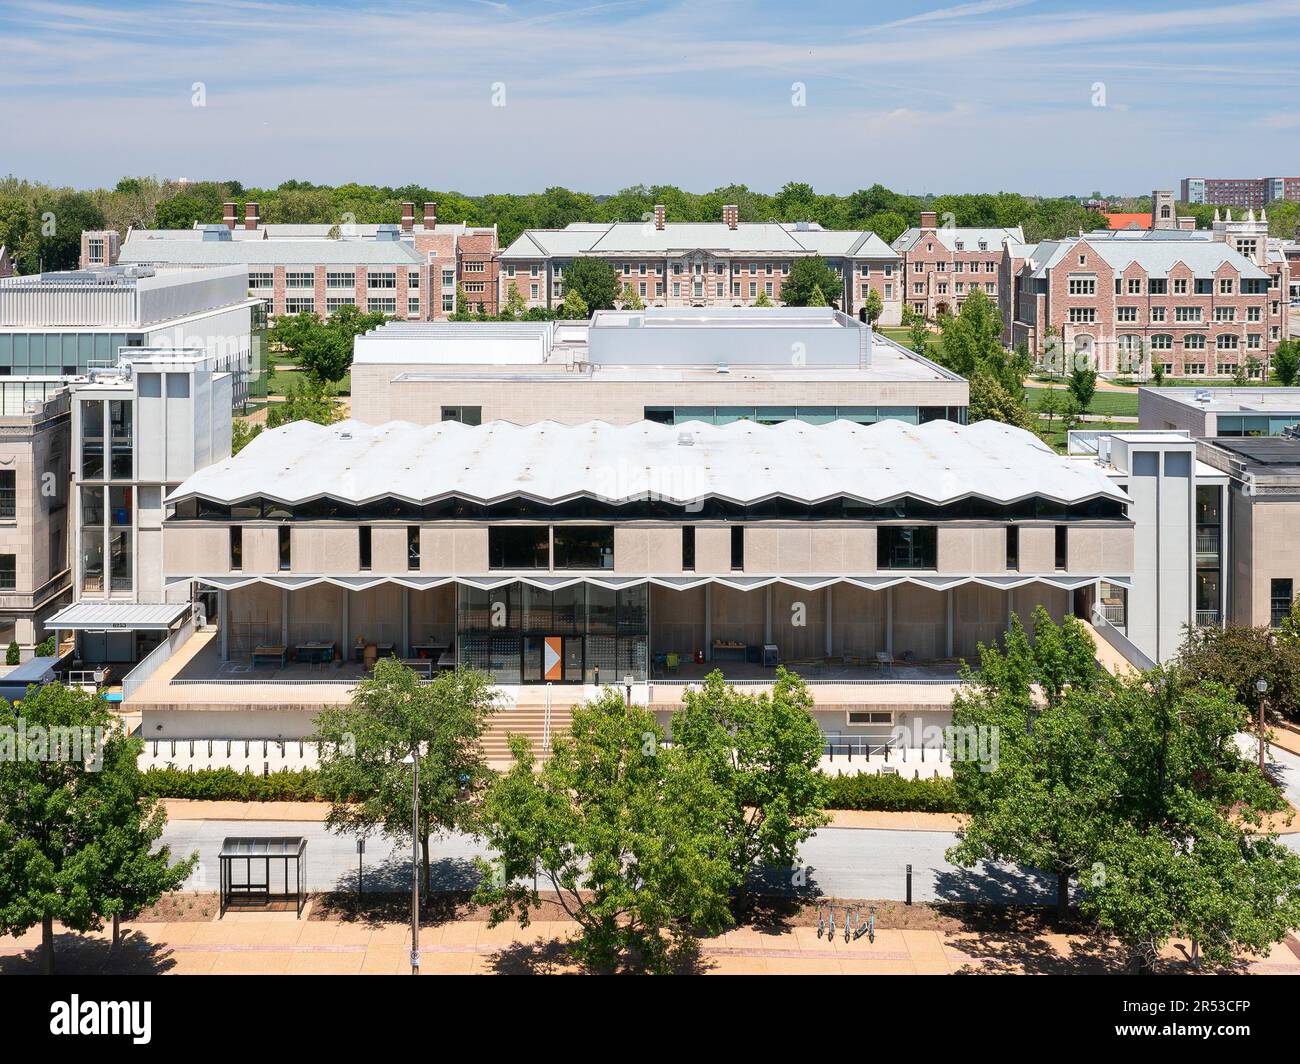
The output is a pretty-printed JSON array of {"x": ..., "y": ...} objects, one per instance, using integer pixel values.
[
  {"x": 1108, "y": 404},
  {"x": 903, "y": 336},
  {"x": 1057, "y": 439},
  {"x": 278, "y": 381}
]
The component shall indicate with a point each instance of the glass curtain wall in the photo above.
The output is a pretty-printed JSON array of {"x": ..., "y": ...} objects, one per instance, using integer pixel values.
[{"x": 577, "y": 634}]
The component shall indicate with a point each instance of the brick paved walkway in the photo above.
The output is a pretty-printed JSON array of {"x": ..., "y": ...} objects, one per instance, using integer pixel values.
[{"x": 279, "y": 944}]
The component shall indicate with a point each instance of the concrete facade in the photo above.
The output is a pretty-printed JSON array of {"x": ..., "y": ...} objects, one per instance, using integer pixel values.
[{"x": 34, "y": 573}]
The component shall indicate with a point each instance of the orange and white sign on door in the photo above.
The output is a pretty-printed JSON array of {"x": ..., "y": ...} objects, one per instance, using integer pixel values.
[{"x": 552, "y": 660}]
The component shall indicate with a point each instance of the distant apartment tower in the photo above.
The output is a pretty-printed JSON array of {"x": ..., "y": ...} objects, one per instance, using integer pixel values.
[
  {"x": 406, "y": 270},
  {"x": 729, "y": 263},
  {"x": 944, "y": 264},
  {"x": 1243, "y": 193}
]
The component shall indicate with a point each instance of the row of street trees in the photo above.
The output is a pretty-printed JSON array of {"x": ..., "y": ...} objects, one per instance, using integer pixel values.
[{"x": 645, "y": 842}]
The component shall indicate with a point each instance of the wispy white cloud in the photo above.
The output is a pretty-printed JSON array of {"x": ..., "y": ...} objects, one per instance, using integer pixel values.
[
  {"x": 991, "y": 93},
  {"x": 986, "y": 7}
]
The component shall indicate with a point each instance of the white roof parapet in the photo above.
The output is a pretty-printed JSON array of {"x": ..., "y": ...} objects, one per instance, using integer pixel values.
[
  {"x": 491, "y": 581},
  {"x": 742, "y": 462}
]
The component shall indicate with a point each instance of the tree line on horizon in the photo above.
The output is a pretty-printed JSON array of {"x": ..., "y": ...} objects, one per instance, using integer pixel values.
[{"x": 41, "y": 224}]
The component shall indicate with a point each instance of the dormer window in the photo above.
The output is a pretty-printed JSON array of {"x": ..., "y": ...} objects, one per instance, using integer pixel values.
[{"x": 961, "y": 245}]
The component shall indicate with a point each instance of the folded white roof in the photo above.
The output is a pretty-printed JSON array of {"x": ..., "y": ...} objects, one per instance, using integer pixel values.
[{"x": 742, "y": 462}]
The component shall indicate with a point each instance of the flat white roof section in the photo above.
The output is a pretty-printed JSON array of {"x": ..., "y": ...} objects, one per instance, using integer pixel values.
[
  {"x": 813, "y": 343},
  {"x": 118, "y": 616},
  {"x": 742, "y": 462}
]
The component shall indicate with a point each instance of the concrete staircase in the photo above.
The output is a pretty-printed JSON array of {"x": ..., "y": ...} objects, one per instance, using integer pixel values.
[{"x": 527, "y": 720}]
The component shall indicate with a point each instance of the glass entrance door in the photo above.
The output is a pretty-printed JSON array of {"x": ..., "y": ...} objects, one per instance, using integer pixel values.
[{"x": 573, "y": 659}]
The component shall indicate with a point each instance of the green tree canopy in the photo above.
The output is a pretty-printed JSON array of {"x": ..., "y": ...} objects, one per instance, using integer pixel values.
[
  {"x": 873, "y": 306},
  {"x": 1037, "y": 804},
  {"x": 309, "y": 399},
  {"x": 593, "y": 280},
  {"x": 806, "y": 276},
  {"x": 1286, "y": 362},
  {"x": 762, "y": 751},
  {"x": 631, "y": 836},
  {"x": 1082, "y": 383},
  {"x": 393, "y": 713},
  {"x": 77, "y": 835}
]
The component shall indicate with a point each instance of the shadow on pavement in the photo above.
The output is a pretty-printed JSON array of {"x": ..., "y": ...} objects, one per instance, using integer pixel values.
[{"x": 76, "y": 954}]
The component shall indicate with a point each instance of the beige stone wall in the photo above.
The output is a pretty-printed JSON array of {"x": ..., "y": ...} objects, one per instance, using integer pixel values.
[
  {"x": 1269, "y": 553},
  {"x": 572, "y": 399},
  {"x": 1037, "y": 548},
  {"x": 1100, "y": 550},
  {"x": 641, "y": 550},
  {"x": 970, "y": 549},
  {"x": 713, "y": 549}
]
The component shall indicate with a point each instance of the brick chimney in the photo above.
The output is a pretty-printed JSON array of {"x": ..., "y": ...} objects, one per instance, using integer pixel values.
[
  {"x": 430, "y": 215},
  {"x": 230, "y": 214},
  {"x": 659, "y": 215},
  {"x": 929, "y": 219},
  {"x": 731, "y": 215},
  {"x": 252, "y": 216},
  {"x": 1186, "y": 221},
  {"x": 408, "y": 217}
]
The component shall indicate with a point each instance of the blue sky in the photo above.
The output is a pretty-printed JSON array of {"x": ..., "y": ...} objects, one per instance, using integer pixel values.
[{"x": 967, "y": 96}]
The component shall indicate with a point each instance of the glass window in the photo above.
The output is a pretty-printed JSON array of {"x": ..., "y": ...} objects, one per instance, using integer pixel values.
[
  {"x": 92, "y": 439},
  {"x": 8, "y": 493},
  {"x": 688, "y": 548},
  {"x": 466, "y": 415},
  {"x": 518, "y": 547},
  {"x": 363, "y": 547},
  {"x": 119, "y": 550},
  {"x": 1062, "y": 547},
  {"x": 1013, "y": 547},
  {"x": 412, "y": 547},
  {"x": 738, "y": 546},
  {"x": 285, "y": 544},
  {"x": 8, "y": 572},
  {"x": 236, "y": 548},
  {"x": 584, "y": 547},
  {"x": 119, "y": 506},
  {"x": 906, "y": 547},
  {"x": 119, "y": 416},
  {"x": 1280, "y": 595}
]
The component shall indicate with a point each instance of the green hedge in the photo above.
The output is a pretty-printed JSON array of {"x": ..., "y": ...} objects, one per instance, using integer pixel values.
[
  {"x": 875, "y": 793},
  {"x": 225, "y": 784},
  {"x": 892, "y": 794}
]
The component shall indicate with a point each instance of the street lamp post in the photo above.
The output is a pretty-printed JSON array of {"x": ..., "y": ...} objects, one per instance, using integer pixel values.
[
  {"x": 628, "y": 681},
  {"x": 1261, "y": 686},
  {"x": 413, "y": 760}
]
